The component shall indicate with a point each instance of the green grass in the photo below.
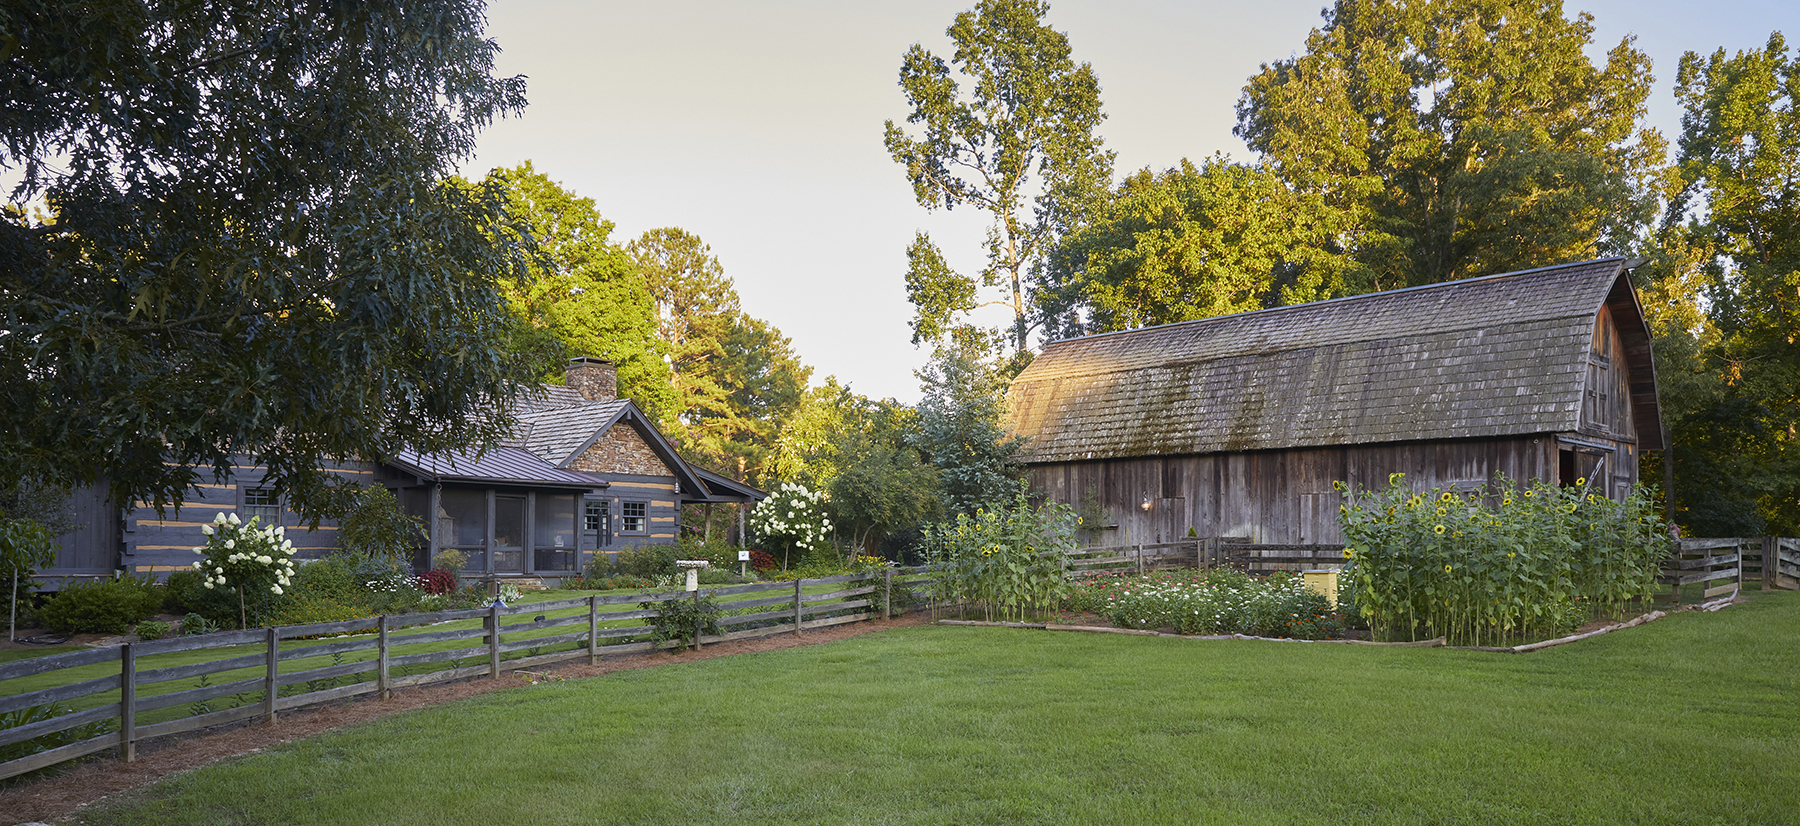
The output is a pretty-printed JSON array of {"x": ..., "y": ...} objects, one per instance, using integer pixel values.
[{"x": 1691, "y": 719}]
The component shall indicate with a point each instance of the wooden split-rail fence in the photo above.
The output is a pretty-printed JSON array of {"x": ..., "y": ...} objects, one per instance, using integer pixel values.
[
  {"x": 1205, "y": 552},
  {"x": 1723, "y": 566},
  {"x": 119, "y": 696}
]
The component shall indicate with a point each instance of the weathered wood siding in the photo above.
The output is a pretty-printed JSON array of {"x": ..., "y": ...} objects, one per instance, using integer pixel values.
[
  {"x": 92, "y": 549},
  {"x": 161, "y": 544},
  {"x": 1274, "y": 497}
]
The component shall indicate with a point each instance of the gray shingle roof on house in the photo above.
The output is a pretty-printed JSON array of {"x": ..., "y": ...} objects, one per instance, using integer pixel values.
[
  {"x": 549, "y": 397},
  {"x": 1497, "y": 355},
  {"x": 556, "y": 433},
  {"x": 501, "y": 464}
]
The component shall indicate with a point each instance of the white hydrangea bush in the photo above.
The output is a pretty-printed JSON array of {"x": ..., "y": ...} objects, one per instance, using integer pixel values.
[
  {"x": 258, "y": 562},
  {"x": 795, "y": 516}
]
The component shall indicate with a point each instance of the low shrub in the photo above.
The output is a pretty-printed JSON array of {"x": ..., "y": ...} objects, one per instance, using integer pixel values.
[
  {"x": 305, "y": 610},
  {"x": 1211, "y": 602},
  {"x": 334, "y": 577},
  {"x": 103, "y": 607},
  {"x": 436, "y": 581},
  {"x": 194, "y": 625},
  {"x": 37, "y": 714},
  {"x": 682, "y": 619},
  {"x": 647, "y": 561},
  {"x": 763, "y": 562},
  {"x": 186, "y": 593},
  {"x": 152, "y": 630}
]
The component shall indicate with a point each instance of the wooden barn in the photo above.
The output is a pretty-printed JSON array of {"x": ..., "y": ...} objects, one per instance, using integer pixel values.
[
  {"x": 1236, "y": 426},
  {"x": 585, "y": 472}
]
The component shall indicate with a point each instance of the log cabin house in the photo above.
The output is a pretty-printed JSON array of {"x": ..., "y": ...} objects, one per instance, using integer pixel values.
[
  {"x": 585, "y": 472},
  {"x": 1236, "y": 426}
]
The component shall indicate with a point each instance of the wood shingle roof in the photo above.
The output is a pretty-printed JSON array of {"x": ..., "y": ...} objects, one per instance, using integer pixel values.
[{"x": 1497, "y": 355}]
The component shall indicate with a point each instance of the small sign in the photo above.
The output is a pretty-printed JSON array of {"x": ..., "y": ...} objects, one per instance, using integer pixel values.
[{"x": 743, "y": 556}]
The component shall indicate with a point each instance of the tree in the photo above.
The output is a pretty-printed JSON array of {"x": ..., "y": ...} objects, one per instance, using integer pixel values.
[
  {"x": 1736, "y": 217},
  {"x": 735, "y": 378},
  {"x": 235, "y": 233},
  {"x": 1190, "y": 243},
  {"x": 25, "y": 546},
  {"x": 583, "y": 295},
  {"x": 959, "y": 425},
  {"x": 1461, "y": 138},
  {"x": 1029, "y": 110}
]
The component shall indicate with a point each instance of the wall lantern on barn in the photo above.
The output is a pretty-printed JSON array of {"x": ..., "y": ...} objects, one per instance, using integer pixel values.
[{"x": 1236, "y": 426}]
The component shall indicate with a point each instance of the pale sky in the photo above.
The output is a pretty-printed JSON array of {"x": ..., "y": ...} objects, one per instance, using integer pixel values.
[{"x": 757, "y": 126}]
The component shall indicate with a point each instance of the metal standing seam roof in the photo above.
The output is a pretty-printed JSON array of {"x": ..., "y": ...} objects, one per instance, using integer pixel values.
[
  {"x": 506, "y": 465},
  {"x": 1497, "y": 355}
]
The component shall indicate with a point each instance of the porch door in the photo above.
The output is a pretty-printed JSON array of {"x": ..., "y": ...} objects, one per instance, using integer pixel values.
[{"x": 509, "y": 534}]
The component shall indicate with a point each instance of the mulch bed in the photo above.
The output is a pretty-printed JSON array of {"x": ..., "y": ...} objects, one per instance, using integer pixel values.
[{"x": 57, "y": 795}]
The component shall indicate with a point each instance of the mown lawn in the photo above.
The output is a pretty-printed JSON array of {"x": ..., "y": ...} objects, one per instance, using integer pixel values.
[{"x": 1691, "y": 719}]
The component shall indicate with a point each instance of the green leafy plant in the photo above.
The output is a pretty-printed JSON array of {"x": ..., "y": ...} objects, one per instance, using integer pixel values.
[
  {"x": 184, "y": 592},
  {"x": 194, "y": 625},
  {"x": 647, "y": 561},
  {"x": 377, "y": 527},
  {"x": 1210, "y": 602},
  {"x": 152, "y": 630},
  {"x": 256, "y": 563},
  {"x": 104, "y": 607},
  {"x": 1006, "y": 560},
  {"x": 452, "y": 561},
  {"x": 684, "y": 619},
  {"x": 25, "y": 546},
  {"x": 37, "y": 714},
  {"x": 1503, "y": 562},
  {"x": 795, "y": 518}
]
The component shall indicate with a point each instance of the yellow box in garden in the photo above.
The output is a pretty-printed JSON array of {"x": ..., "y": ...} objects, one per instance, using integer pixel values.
[{"x": 1324, "y": 582}]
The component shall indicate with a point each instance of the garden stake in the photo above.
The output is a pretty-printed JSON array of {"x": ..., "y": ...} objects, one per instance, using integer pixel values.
[{"x": 887, "y": 593}]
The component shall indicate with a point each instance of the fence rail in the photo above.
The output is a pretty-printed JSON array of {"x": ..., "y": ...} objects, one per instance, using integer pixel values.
[
  {"x": 1205, "y": 552},
  {"x": 119, "y": 696}
]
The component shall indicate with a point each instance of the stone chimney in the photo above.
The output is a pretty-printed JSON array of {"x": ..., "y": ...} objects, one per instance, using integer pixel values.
[{"x": 596, "y": 379}]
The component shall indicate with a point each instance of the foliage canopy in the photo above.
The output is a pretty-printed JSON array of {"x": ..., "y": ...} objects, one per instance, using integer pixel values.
[{"x": 236, "y": 233}]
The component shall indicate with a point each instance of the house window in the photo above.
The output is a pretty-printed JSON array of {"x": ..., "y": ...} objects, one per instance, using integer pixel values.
[
  {"x": 596, "y": 515},
  {"x": 634, "y": 517},
  {"x": 263, "y": 502}
]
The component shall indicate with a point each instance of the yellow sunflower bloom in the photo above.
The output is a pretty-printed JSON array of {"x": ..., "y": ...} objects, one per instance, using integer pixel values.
[{"x": 1439, "y": 529}]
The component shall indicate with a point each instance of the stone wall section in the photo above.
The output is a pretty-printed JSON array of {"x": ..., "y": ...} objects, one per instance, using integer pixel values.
[{"x": 621, "y": 450}]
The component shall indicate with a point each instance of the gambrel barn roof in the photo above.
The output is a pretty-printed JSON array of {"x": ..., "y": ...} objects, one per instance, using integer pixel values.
[{"x": 1491, "y": 356}]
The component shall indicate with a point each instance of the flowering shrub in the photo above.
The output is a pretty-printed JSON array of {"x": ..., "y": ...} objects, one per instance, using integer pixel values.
[
  {"x": 795, "y": 517},
  {"x": 256, "y": 562},
  {"x": 1210, "y": 602},
  {"x": 1499, "y": 563},
  {"x": 436, "y": 581},
  {"x": 1006, "y": 559}
]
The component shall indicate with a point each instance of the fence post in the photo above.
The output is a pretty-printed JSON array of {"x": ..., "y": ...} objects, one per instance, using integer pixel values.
[
  {"x": 698, "y": 627},
  {"x": 593, "y": 630},
  {"x": 1139, "y": 553},
  {"x": 272, "y": 675},
  {"x": 797, "y": 606},
  {"x": 493, "y": 624},
  {"x": 128, "y": 702},
  {"x": 887, "y": 593},
  {"x": 382, "y": 689},
  {"x": 1771, "y": 561}
]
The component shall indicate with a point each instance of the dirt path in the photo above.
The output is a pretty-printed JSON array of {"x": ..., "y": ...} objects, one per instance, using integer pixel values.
[{"x": 50, "y": 798}]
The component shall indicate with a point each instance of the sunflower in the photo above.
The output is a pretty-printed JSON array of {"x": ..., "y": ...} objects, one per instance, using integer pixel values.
[{"x": 1439, "y": 529}]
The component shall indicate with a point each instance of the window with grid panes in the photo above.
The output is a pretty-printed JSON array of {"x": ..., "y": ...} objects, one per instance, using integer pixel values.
[
  {"x": 634, "y": 517},
  {"x": 262, "y": 502}
]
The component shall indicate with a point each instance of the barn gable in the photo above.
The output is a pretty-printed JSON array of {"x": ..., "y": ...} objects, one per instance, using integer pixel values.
[{"x": 1484, "y": 357}]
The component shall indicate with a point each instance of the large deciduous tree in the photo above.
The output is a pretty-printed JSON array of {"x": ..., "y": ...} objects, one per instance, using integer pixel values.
[
  {"x": 582, "y": 296},
  {"x": 959, "y": 431},
  {"x": 1734, "y": 229},
  {"x": 235, "y": 232},
  {"x": 1017, "y": 142},
  {"x": 1460, "y": 138},
  {"x": 1190, "y": 243}
]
